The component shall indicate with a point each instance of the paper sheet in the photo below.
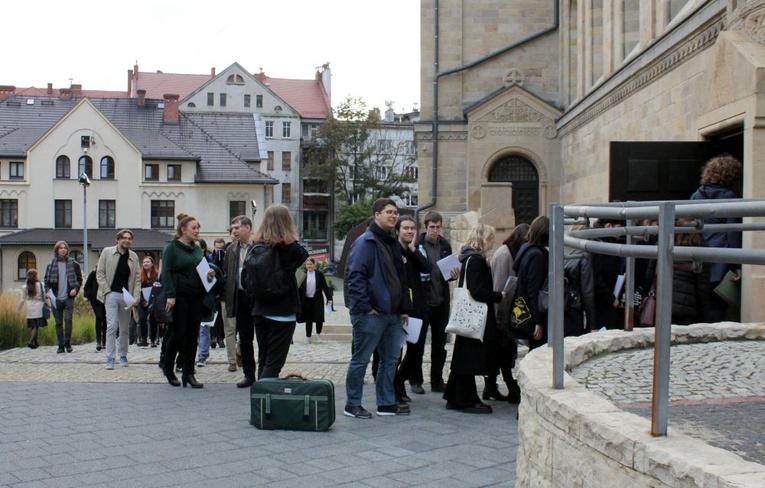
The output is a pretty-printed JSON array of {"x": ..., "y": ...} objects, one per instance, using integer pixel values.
[
  {"x": 202, "y": 269},
  {"x": 328, "y": 309},
  {"x": 128, "y": 297},
  {"x": 413, "y": 329},
  {"x": 618, "y": 286},
  {"x": 447, "y": 264},
  {"x": 146, "y": 292}
]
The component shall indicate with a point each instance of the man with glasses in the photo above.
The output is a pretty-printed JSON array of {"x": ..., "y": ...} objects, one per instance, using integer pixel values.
[{"x": 378, "y": 302}]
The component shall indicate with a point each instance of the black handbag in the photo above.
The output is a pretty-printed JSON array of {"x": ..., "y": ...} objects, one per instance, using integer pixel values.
[{"x": 157, "y": 303}]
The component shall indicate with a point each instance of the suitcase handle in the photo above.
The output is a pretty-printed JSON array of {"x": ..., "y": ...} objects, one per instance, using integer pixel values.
[{"x": 295, "y": 375}]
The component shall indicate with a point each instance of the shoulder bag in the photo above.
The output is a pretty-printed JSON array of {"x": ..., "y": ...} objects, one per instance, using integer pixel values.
[
  {"x": 648, "y": 308},
  {"x": 468, "y": 316},
  {"x": 46, "y": 307}
]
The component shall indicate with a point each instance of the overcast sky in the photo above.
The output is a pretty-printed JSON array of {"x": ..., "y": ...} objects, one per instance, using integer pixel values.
[{"x": 373, "y": 47}]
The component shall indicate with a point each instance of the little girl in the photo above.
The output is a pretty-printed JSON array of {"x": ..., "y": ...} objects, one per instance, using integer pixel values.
[{"x": 34, "y": 294}]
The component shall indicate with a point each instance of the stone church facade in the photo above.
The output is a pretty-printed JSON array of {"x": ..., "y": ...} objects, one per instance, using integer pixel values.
[{"x": 532, "y": 102}]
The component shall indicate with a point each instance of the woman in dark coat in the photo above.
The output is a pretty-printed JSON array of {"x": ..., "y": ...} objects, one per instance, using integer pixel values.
[
  {"x": 531, "y": 269},
  {"x": 310, "y": 292},
  {"x": 469, "y": 358}
]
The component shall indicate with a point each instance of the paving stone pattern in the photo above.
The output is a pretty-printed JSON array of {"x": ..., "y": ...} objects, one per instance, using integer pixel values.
[{"x": 717, "y": 391}]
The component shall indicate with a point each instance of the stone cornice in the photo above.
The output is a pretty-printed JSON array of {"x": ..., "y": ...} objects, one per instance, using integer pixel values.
[{"x": 658, "y": 60}]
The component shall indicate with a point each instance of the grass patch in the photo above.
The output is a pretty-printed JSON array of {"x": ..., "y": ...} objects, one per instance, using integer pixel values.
[{"x": 15, "y": 333}]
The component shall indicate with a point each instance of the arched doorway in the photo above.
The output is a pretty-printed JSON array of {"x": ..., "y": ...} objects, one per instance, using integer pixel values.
[{"x": 523, "y": 175}]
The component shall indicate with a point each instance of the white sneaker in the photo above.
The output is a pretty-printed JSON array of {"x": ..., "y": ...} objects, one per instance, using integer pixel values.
[
  {"x": 318, "y": 338},
  {"x": 307, "y": 340}
]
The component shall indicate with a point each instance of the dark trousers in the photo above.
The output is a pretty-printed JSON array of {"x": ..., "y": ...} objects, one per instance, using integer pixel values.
[
  {"x": 461, "y": 390},
  {"x": 99, "y": 310},
  {"x": 147, "y": 325},
  {"x": 437, "y": 318},
  {"x": 216, "y": 333},
  {"x": 62, "y": 312},
  {"x": 245, "y": 327},
  {"x": 184, "y": 332},
  {"x": 273, "y": 345},
  {"x": 309, "y": 306}
]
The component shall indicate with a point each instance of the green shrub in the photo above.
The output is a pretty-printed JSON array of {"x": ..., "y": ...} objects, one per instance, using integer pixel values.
[{"x": 15, "y": 333}]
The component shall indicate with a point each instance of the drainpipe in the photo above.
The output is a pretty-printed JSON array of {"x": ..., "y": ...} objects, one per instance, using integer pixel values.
[{"x": 438, "y": 75}]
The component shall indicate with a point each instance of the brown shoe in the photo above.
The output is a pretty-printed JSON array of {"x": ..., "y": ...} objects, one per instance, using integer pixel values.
[{"x": 232, "y": 368}]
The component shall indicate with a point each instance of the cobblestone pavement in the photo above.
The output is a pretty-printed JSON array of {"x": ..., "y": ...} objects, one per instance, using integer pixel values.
[
  {"x": 717, "y": 391},
  {"x": 66, "y": 421}
]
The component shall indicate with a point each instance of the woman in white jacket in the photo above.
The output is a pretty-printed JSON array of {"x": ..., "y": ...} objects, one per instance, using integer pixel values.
[{"x": 34, "y": 294}]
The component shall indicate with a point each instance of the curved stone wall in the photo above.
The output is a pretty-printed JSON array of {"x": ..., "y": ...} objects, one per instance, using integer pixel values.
[{"x": 576, "y": 438}]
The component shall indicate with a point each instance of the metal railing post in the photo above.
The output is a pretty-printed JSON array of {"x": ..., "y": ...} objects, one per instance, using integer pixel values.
[
  {"x": 556, "y": 275},
  {"x": 663, "y": 332},
  {"x": 629, "y": 285}
]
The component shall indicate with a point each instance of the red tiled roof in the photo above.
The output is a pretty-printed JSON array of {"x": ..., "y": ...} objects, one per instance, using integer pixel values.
[
  {"x": 158, "y": 84},
  {"x": 308, "y": 97},
  {"x": 42, "y": 92}
]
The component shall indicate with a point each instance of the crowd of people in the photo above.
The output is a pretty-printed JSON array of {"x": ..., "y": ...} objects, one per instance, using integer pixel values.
[{"x": 392, "y": 275}]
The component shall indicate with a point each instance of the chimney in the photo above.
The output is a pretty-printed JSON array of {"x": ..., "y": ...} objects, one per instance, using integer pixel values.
[
  {"x": 141, "y": 97},
  {"x": 76, "y": 90},
  {"x": 261, "y": 77},
  {"x": 212, "y": 72},
  {"x": 171, "y": 108},
  {"x": 65, "y": 93},
  {"x": 49, "y": 91},
  {"x": 7, "y": 91}
]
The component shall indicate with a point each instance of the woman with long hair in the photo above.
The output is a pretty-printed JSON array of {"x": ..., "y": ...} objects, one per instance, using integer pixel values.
[
  {"x": 471, "y": 356},
  {"x": 275, "y": 319},
  {"x": 311, "y": 290},
  {"x": 34, "y": 294},
  {"x": 146, "y": 323},
  {"x": 186, "y": 297},
  {"x": 502, "y": 354},
  {"x": 530, "y": 267}
]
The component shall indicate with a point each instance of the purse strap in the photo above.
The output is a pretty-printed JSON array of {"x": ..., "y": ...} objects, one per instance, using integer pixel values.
[{"x": 464, "y": 280}]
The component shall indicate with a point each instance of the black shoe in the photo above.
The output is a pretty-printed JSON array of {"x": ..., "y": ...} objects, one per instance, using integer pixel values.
[
  {"x": 31, "y": 345},
  {"x": 191, "y": 381},
  {"x": 452, "y": 406},
  {"x": 438, "y": 388},
  {"x": 99, "y": 346},
  {"x": 60, "y": 350},
  {"x": 246, "y": 382},
  {"x": 478, "y": 408},
  {"x": 406, "y": 398},
  {"x": 68, "y": 347},
  {"x": 153, "y": 343},
  {"x": 172, "y": 379},
  {"x": 417, "y": 388},
  {"x": 493, "y": 392}
]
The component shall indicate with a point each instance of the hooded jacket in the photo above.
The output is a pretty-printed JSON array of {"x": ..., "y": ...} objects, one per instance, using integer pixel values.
[{"x": 719, "y": 239}]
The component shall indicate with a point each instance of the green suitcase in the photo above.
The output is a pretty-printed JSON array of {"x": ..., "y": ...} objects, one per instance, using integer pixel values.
[{"x": 292, "y": 403}]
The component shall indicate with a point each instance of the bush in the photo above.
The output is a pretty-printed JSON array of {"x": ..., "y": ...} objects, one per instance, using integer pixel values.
[{"x": 15, "y": 333}]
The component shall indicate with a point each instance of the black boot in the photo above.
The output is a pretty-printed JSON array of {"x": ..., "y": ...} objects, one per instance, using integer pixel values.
[
  {"x": 172, "y": 379},
  {"x": 514, "y": 391},
  {"x": 191, "y": 381},
  {"x": 490, "y": 389}
]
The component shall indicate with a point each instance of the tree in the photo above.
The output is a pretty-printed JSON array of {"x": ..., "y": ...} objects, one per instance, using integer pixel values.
[{"x": 362, "y": 159}]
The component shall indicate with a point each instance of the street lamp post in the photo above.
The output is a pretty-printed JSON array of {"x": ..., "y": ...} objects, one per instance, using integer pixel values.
[{"x": 85, "y": 182}]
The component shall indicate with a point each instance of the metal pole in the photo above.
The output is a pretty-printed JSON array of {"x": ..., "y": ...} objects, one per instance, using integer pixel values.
[
  {"x": 85, "y": 229},
  {"x": 663, "y": 333},
  {"x": 555, "y": 277},
  {"x": 629, "y": 286}
]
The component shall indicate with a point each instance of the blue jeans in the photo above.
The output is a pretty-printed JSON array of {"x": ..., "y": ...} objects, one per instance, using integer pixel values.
[
  {"x": 204, "y": 343},
  {"x": 370, "y": 332}
]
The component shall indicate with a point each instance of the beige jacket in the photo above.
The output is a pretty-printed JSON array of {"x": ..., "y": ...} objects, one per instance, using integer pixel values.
[
  {"x": 34, "y": 304},
  {"x": 107, "y": 265}
]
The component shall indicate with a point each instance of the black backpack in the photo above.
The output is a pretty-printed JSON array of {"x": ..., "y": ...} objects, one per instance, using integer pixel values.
[{"x": 264, "y": 276}]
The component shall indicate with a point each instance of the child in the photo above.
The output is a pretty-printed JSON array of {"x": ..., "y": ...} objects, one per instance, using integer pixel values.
[{"x": 34, "y": 294}]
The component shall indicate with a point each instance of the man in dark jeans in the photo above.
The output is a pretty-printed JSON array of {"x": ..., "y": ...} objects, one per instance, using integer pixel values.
[
  {"x": 435, "y": 247},
  {"x": 63, "y": 277}
]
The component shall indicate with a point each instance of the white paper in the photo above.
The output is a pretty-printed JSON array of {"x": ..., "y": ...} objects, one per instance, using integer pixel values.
[
  {"x": 146, "y": 292},
  {"x": 128, "y": 297},
  {"x": 328, "y": 309},
  {"x": 447, "y": 264},
  {"x": 510, "y": 283},
  {"x": 618, "y": 286},
  {"x": 202, "y": 269},
  {"x": 413, "y": 329},
  {"x": 52, "y": 297}
]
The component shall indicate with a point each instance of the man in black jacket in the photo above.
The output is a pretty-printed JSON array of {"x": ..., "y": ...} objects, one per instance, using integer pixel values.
[{"x": 435, "y": 247}]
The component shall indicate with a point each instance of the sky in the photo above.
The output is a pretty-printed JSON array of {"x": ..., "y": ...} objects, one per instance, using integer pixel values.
[{"x": 373, "y": 48}]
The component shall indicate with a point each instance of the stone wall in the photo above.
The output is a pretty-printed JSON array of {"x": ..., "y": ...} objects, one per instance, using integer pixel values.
[{"x": 576, "y": 438}]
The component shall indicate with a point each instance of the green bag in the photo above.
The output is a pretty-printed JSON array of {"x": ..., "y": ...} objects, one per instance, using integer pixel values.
[{"x": 292, "y": 403}]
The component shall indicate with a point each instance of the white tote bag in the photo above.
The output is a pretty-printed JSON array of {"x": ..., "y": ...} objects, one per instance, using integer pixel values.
[{"x": 468, "y": 316}]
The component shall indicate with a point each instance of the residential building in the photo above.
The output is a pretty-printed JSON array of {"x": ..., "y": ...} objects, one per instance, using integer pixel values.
[{"x": 576, "y": 102}]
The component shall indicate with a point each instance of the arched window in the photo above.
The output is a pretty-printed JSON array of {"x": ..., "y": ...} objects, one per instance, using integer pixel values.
[
  {"x": 525, "y": 179},
  {"x": 107, "y": 168},
  {"x": 235, "y": 80},
  {"x": 62, "y": 167},
  {"x": 27, "y": 261},
  {"x": 191, "y": 105},
  {"x": 85, "y": 165}
]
